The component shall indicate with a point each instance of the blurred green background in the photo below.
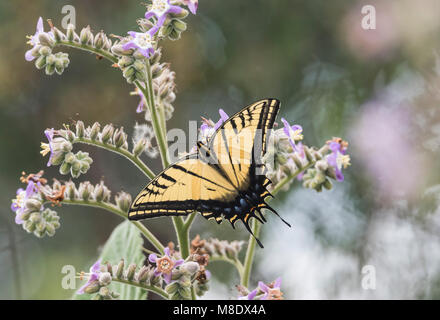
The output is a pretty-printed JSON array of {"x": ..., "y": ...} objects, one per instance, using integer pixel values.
[{"x": 378, "y": 89}]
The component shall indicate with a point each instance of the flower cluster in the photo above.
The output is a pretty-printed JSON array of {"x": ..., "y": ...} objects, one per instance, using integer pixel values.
[
  {"x": 101, "y": 276},
  {"x": 264, "y": 291},
  {"x": 29, "y": 209},
  {"x": 287, "y": 155},
  {"x": 59, "y": 147},
  {"x": 42, "y": 44},
  {"x": 329, "y": 167},
  {"x": 216, "y": 248}
]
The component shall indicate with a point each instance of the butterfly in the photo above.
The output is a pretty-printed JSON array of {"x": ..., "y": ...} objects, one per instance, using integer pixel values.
[{"x": 223, "y": 179}]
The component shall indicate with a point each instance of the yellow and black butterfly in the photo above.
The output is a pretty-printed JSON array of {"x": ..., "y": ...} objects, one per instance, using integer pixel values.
[{"x": 220, "y": 180}]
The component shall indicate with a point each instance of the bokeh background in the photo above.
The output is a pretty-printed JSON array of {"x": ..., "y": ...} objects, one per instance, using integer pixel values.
[{"x": 378, "y": 89}]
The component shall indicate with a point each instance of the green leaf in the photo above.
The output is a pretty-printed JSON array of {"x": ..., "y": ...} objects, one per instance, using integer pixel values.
[{"x": 126, "y": 243}]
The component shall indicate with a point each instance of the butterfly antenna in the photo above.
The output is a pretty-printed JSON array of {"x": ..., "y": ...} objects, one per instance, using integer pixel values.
[
  {"x": 271, "y": 209},
  {"x": 250, "y": 231}
]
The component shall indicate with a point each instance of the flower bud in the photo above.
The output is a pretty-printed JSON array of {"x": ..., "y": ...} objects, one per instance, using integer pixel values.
[
  {"x": 95, "y": 130},
  {"x": 119, "y": 137},
  {"x": 86, "y": 36},
  {"x": 92, "y": 287},
  {"x": 75, "y": 169},
  {"x": 58, "y": 35},
  {"x": 50, "y": 69},
  {"x": 46, "y": 40},
  {"x": 231, "y": 253},
  {"x": 125, "y": 61},
  {"x": 45, "y": 51},
  {"x": 143, "y": 274},
  {"x": 172, "y": 288},
  {"x": 130, "y": 272},
  {"x": 33, "y": 204},
  {"x": 119, "y": 269},
  {"x": 123, "y": 200},
  {"x": 50, "y": 230},
  {"x": 69, "y": 158},
  {"x": 139, "y": 147},
  {"x": 118, "y": 50},
  {"x": 70, "y": 33},
  {"x": 309, "y": 155},
  {"x": 70, "y": 190},
  {"x": 156, "y": 56},
  {"x": 297, "y": 161},
  {"x": 100, "y": 40},
  {"x": 129, "y": 73},
  {"x": 99, "y": 192},
  {"x": 80, "y": 129},
  {"x": 327, "y": 184},
  {"x": 85, "y": 189},
  {"x": 40, "y": 63},
  {"x": 35, "y": 217},
  {"x": 179, "y": 25},
  {"x": 105, "y": 278},
  {"x": 29, "y": 226},
  {"x": 104, "y": 292},
  {"x": 190, "y": 267},
  {"x": 107, "y": 133},
  {"x": 64, "y": 168},
  {"x": 321, "y": 165}
]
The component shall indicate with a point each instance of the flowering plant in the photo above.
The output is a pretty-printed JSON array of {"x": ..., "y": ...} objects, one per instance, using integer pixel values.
[{"x": 172, "y": 273}]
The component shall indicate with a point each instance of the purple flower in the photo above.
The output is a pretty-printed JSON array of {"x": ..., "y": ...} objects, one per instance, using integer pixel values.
[
  {"x": 165, "y": 265},
  {"x": 48, "y": 147},
  {"x": 95, "y": 270},
  {"x": 141, "y": 105},
  {"x": 223, "y": 118},
  {"x": 272, "y": 291},
  {"x": 294, "y": 133},
  {"x": 142, "y": 41},
  {"x": 19, "y": 203},
  {"x": 208, "y": 127},
  {"x": 338, "y": 159},
  {"x": 160, "y": 9},
  {"x": 250, "y": 296},
  {"x": 192, "y": 5},
  {"x": 34, "y": 41}
]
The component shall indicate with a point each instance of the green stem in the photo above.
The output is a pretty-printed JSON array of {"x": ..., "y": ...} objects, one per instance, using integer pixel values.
[
  {"x": 158, "y": 130},
  {"x": 123, "y": 152},
  {"x": 85, "y": 47},
  {"x": 236, "y": 263},
  {"x": 256, "y": 227},
  {"x": 162, "y": 118},
  {"x": 114, "y": 209},
  {"x": 154, "y": 289},
  {"x": 190, "y": 220}
]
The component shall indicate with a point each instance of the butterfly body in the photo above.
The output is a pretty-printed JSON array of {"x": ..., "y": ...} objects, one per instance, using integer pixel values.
[{"x": 222, "y": 180}]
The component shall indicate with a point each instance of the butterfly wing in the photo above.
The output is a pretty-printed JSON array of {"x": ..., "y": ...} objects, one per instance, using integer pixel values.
[
  {"x": 185, "y": 186},
  {"x": 240, "y": 142}
]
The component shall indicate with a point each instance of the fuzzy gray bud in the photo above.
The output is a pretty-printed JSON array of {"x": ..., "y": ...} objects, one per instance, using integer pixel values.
[{"x": 95, "y": 131}]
